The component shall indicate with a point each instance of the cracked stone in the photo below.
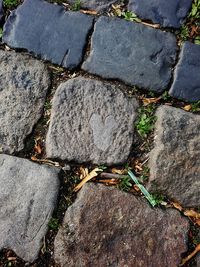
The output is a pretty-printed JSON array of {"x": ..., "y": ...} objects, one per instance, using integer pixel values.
[
  {"x": 55, "y": 35},
  {"x": 175, "y": 160},
  {"x": 28, "y": 194},
  {"x": 186, "y": 84},
  {"x": 131, "y": 52},
  {"x": 108, "y": 227},
  {"x": 23, "y": 86},
  {"x": 170, "y": 13},
  {"x": 91, "y": 121},
  {"x": 98, "y": 5}
]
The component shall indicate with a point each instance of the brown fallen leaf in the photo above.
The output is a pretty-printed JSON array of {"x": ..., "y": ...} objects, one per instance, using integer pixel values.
[
  {"x": 191, "y": 255},
  {"x": 109, "y": 181},
  {"x": 38, "y": 148},
  {"x": 192, "y": 214},
  {"x": 177, "y": 206},
  {"x": 91, "y": 175},
  {"x": 187, "y": 107},
  {"x": 88, "y": 12},
  {"x": 147, "y": 101}
]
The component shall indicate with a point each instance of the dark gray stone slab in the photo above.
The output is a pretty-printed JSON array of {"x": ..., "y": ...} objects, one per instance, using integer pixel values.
[
  {"x": 99, "y": 5},
  {"x": 1, "y": 9},
  {"x": 186, "y": 84},
  {"x": 131, "y": 52},
  {"x": 28, "y": 194},
  {"x": 48, "y": 31},
  {"x": 107, "y": 227},
  {"x": 91, "y": 121},
  {"x": 23, "y": 86},
  {"x": 167, "y": 13},
  {"x": 175, "y": 160}
]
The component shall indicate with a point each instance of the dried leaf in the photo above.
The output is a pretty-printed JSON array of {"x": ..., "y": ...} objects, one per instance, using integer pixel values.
[
  {"x": 177, "y": 206},
  {"x": 38, "y": 148},
  {"x": 197, "y": 249},
  {"x": 88, "y": 12},
  {"x": 91, "y": 175},
  {"x": 155, "y": 26},
  {"x": 192, "y": 213},
  {"x": 46, "y": 161},
  {"x": 118, "y": 171},
  {"x": 83, "y": 172},
  {"x": 109, "y": 181},
  {"x": 147, "y": 101},
  {"x": 187, "y": 107}
]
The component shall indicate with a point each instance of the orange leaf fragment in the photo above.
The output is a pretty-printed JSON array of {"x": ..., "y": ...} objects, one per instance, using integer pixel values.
[
  {"x": 187, "y": 107},
  {"x": 91, "y": 175},
  {"x": 147, "y": 101},
  {"x": 197, "y": 249},
  {"x": 177, "y": 206},
  {"x": 192, "y": 213}
]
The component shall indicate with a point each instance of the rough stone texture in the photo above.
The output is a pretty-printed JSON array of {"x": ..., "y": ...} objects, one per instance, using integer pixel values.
[
  {"x": 1, "y": 9},
  {"x": 48, "y": 31},
  {"x": 131, "y": 52},
  {"x": 175, "y": 160},
  {"x": 168, "y": 13},
  {"x": 107, "y": 227},
  {"x": 97, "y": 5},
  {"x": 28, "y": 194},
  {"x": 23, "y": 86},
  {"x": 91, "y": 121},
  {"x": 186, "y": 83}
]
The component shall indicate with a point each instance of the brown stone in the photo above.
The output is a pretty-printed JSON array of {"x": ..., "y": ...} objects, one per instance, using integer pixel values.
[{"x": 108, "y": 227}]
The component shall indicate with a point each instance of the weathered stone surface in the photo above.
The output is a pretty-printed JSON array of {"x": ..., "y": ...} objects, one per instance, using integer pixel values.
[
  {"x": 91, "y": 121},
  {"x": 1, "y": 9},
  {"x": 48, "y": 31},
  {"x": 170, "y": 13},
  {"x": 28, "y": 193},
  {"x": 23, "y": 86},
  {"x": 131, "y": 52},
  {"x": 107, "y": 227},
  {"x": 98, "y": 5},
  {"x": 186, "y": 83},
  {"x": 175, "y": 160}
]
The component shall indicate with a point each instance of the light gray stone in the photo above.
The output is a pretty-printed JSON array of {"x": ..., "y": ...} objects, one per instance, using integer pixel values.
[
  {"x": 108, "y": 227},
  {"x": 175, "y": 160},
  {"x": 131, "y": 52},
  {"x": 168, "y": 13},
  {"x": 91, "y": 121},
  {"x": 99, "y": 5},
  {"x": 23, "y": 86},
  {"x": 28, "y": 194},
  {"x": 48, "y": 31}
]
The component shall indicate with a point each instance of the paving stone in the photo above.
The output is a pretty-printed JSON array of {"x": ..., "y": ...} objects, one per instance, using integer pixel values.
[
  {"x": 48, "y": 31},
  {"x": 186, "y": 84},
  {"x": 170, "y": 13},
  {"x": 91, "y": 121},
  {"x": 134, "y": 53},
  {"x": 23, "y": 86},
  {"x": 28, "y": 194},
  {"x": 175, "y": 160},
  {"x": 98, "y": 5},
  {"x": 108, "y": 227}
]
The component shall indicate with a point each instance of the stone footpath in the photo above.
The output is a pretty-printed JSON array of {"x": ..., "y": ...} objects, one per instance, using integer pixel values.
[{"x": 94, "y": 121}]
